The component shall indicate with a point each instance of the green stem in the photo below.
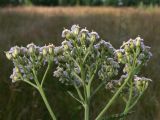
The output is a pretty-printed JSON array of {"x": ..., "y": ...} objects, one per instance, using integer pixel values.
[
  {"x": 86, "y": 114},
  {"x": 78, "y": 77},
  {"x": 126, "y": 110},
  {"x": 135, "y": 101},
  {"x": 130, "y": 97},
  {"x": 101, "y": 114},
  {"x": 32, "y": 84},
  {"x": 40, "y": 89},
  {"x": 28, "y": 82},
  {"x": 79, "y": 93},
  {"x": 71, "y": 94},
  {"x": 88, "y": 51},
  {"x": 86, "y": 94},
  {"x": 46, "y": 102},
  {"x": 98, "y": 88},
  {"x": 45, "y": 74}
]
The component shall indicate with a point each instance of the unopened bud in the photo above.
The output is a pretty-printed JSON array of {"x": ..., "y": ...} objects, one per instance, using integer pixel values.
[
  {"x": 50, "y": 49},
  {"x": 94, "y": 36},
  {"x": 119, "y": 54},
  {"x": 138, "y": 42},
  {"x": 139, "y": 85},
  {"x": 66, "y": 34},
  {"x": 31, "y": 48},
  {"x": 145, "y": 84},
  {"x": 132, "y": 45},
  {"x": 127, "y": 49},
  {"x": 14, "y": 55},
  {"x": 75, "y": 29},
  {"x": 65, "y": 47},
  {"x": 16, "y": 50},
  {"x": 8, "y": 55},
  {"x": 17, "y": 69},
  {"x": 84, "y": 33},
  {"x": 44, "y": 51}
]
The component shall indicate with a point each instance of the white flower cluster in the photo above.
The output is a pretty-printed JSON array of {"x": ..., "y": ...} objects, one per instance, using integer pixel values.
[
  {"x": 27, "y": 58},
  {"x": 84, "y": 48}
]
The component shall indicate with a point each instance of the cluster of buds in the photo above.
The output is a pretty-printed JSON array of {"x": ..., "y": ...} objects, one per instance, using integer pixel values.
[
  {"x": 83, "y": 48},
  {"x": 108, "y": 69},
  {"x": 66, "y": 76},
  {"x": 133, "y": 52},
  {"x": 81, "y": 36},
  {"x": 140, "y": 84},
  {"x": 114, "y": 85},
  {"x": 27, "y": 58}
]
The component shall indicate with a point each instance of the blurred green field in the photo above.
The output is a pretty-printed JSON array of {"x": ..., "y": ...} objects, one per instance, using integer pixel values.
[{"x": 43, "y": 25}]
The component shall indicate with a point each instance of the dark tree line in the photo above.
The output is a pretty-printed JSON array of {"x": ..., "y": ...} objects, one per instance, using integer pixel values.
[{"x": 79, "y": 2}]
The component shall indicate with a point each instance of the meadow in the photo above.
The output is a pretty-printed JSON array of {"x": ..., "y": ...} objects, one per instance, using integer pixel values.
[{"x": 43, "y": 25}]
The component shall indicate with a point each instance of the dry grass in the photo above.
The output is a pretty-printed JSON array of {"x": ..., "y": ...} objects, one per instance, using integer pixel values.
[
  {"x": 22, "y": 25},
  {"x": 77, "y": 11}
]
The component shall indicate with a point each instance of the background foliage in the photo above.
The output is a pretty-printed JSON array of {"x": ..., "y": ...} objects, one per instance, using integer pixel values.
[
  {"x": 80, "y": 2},
  {"x": 21, "y": 26}
]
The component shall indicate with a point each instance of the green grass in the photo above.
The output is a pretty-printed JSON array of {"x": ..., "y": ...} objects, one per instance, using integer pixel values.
[{"x": 20, "y": 26}]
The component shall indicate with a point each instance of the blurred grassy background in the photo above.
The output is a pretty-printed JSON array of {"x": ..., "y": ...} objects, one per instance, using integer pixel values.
[{"x": 43, "y": 25}]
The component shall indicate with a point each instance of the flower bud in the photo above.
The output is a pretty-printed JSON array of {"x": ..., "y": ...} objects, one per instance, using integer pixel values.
[
  {"x": 131, "y": 45},
  {"x": 23, "y": 50},
  {"x": 44, "y": 51},
  {"x": 119, "y": 54},
  {"x": 145, "y": 84},
  {"x": 8, "y": 55},
  {"x": 16, "y": 50},
  {"x": 31, "y": 48},
  {"x": 126, "y": 47},
  {"x": 17, "y": 69},
  {"x": 139, "y": 85},
  {"x": 15, "y": 78},
  {"x": 66, "y": 34},
  {"x": 94, "y": 36},
  {"x": 75, "y": 29},
  {"x": 14, "y": 55},
  {"x": 84, "y": 33},
  {"x": 50, "y": 49},
  {"x": 138, "y": 42},
  {"x": 65, "y": 47}
]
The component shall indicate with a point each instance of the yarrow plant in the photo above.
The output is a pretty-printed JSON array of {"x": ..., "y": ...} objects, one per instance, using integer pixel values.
[{"x": 84, "y": 58}]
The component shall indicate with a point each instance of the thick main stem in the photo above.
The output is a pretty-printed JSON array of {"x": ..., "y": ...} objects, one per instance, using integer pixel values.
[
  {"x": 46, "y": 102},
  {"x": 86, "y": 95},
  {"x": 86, "y": 114}
]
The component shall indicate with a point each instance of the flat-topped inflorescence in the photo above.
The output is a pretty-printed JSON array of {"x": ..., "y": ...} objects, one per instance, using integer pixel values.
[
  {"x": 82, "y": 49},
  {"x": 25, "y": 58}
]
